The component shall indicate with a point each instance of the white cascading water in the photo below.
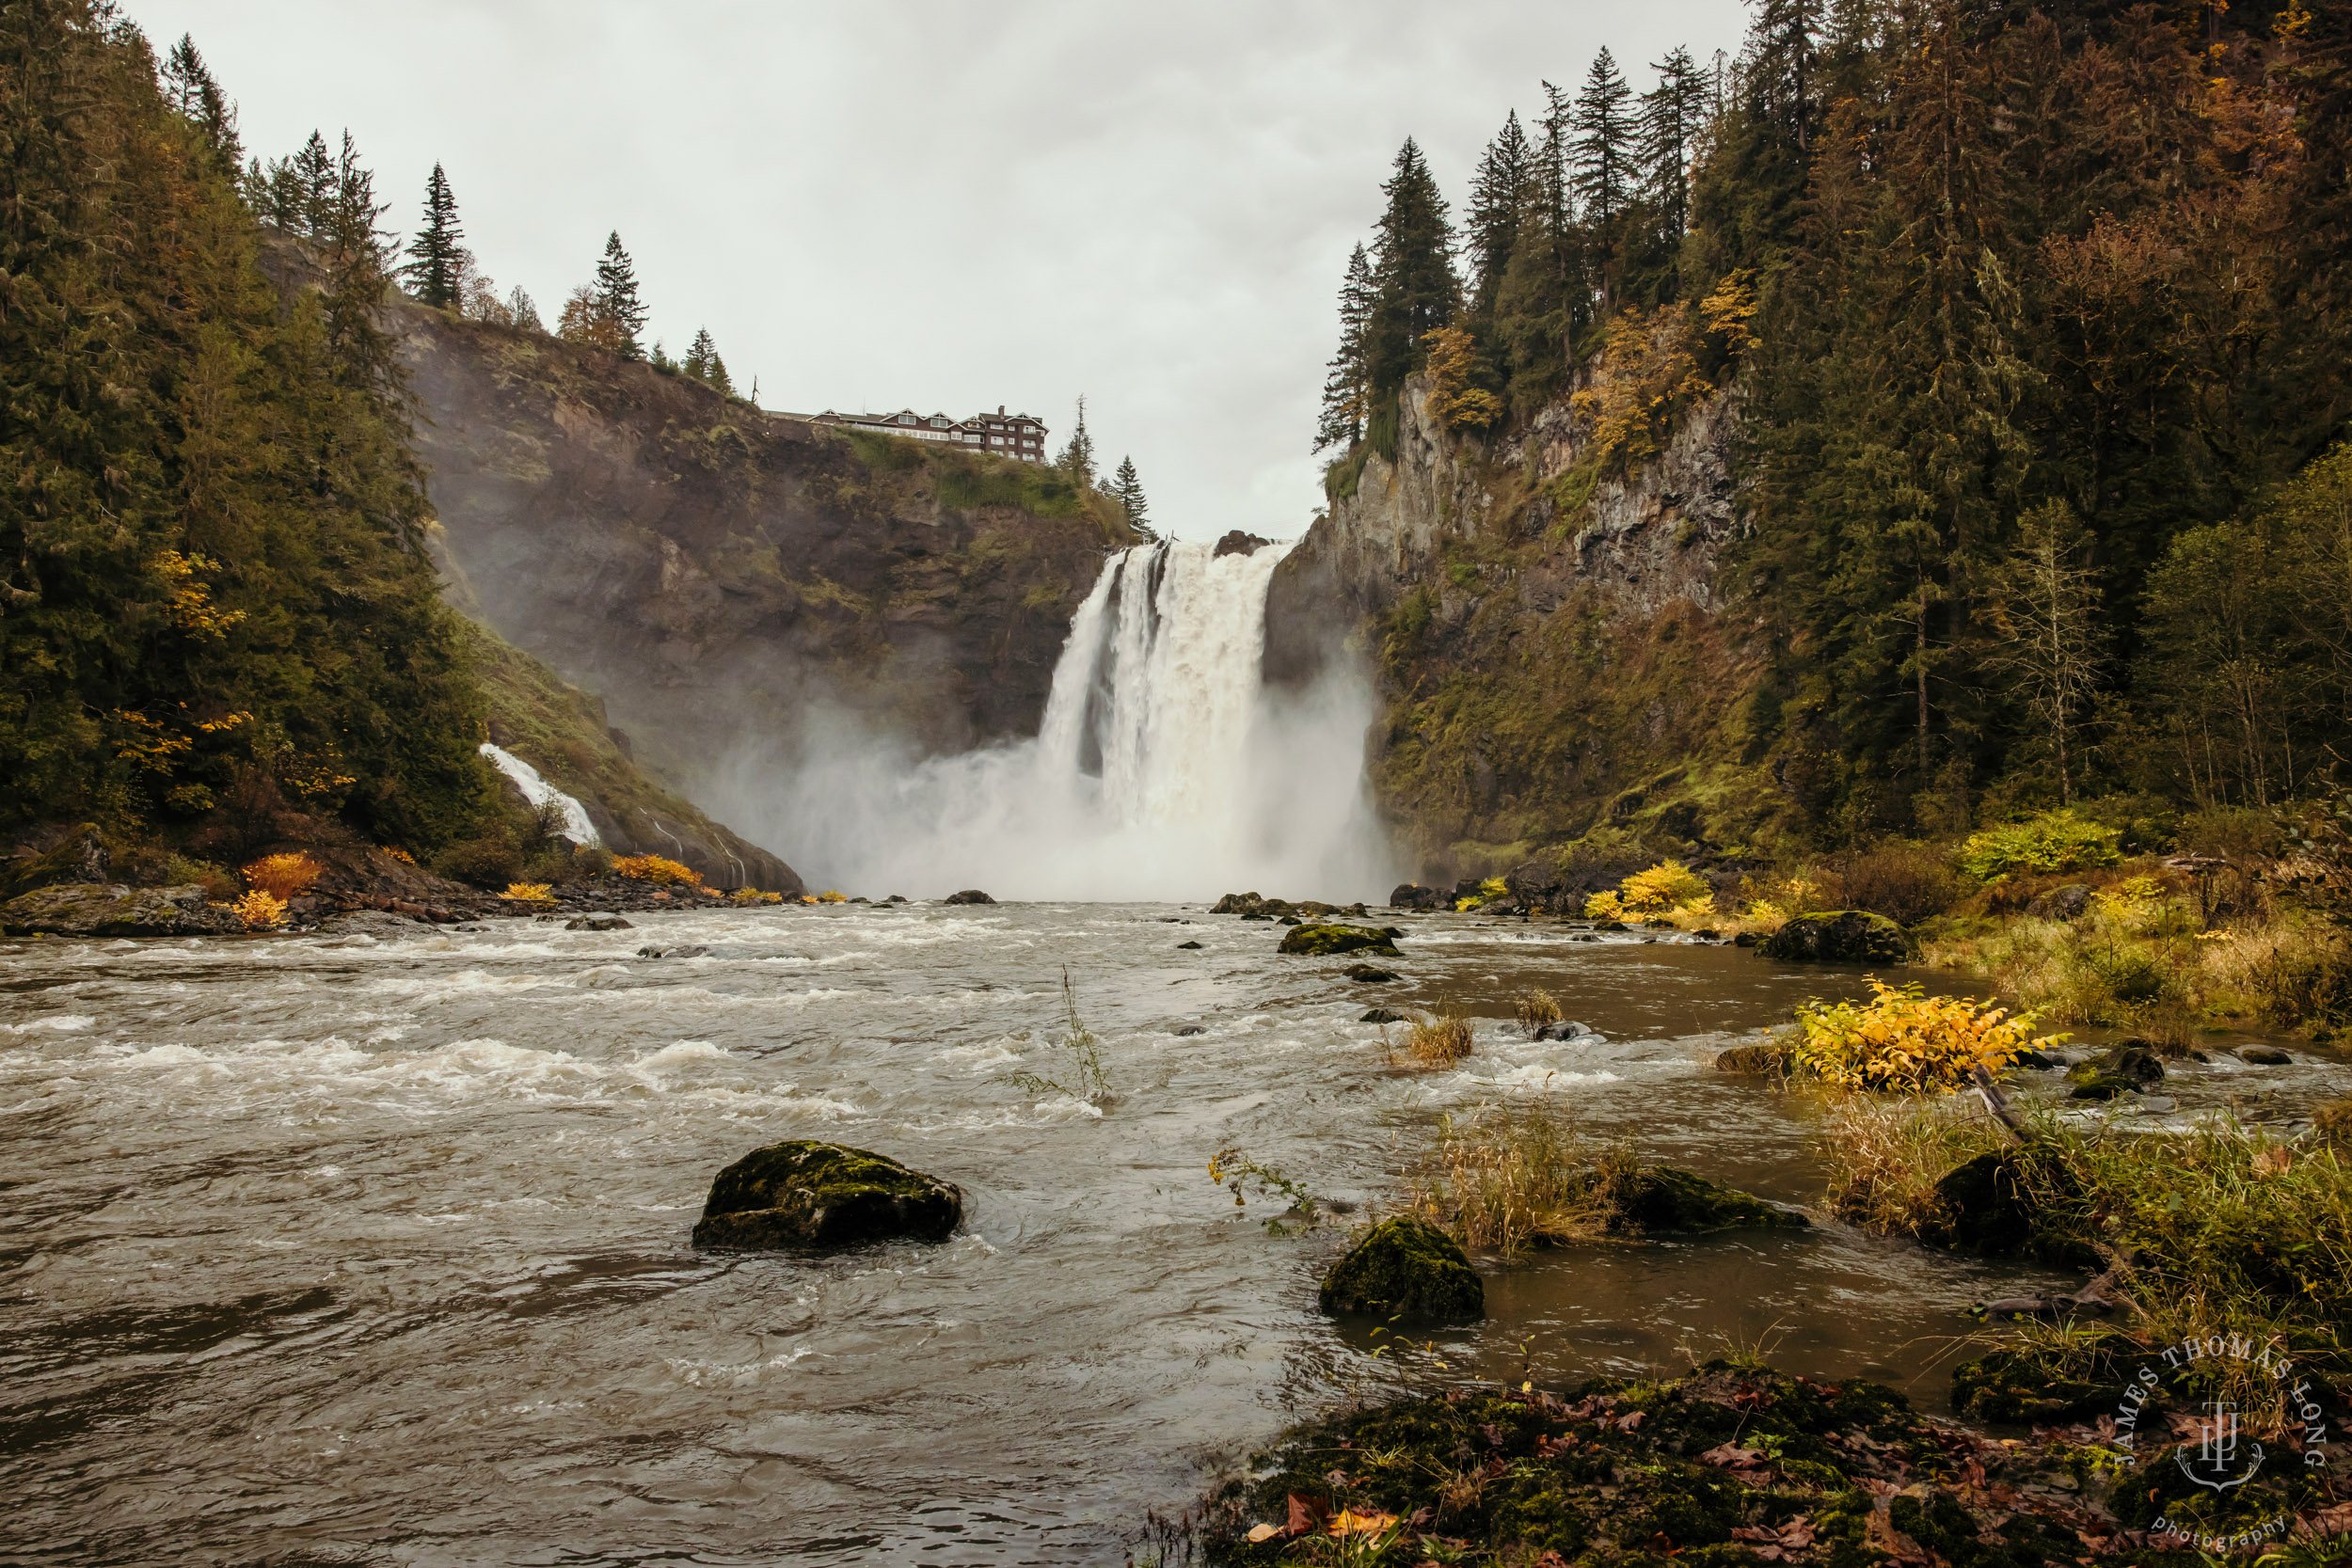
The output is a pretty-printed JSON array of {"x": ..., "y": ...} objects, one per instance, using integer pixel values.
[{"x": 1165, "y": 769}]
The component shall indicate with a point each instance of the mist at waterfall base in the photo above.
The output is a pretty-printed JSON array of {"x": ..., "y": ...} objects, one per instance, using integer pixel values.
[{"x": 1165, "y": 766}]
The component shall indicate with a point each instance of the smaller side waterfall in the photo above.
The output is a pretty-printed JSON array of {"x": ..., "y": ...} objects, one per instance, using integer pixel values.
[
  {"x": 571, "y": 816},
  {"x": 1163, "y": 769}
]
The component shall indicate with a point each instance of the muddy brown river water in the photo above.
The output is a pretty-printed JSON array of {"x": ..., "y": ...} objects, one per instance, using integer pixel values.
[{"x": 374, "y": 1250}]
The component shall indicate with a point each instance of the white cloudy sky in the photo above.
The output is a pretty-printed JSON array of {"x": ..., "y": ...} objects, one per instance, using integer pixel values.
[{"x": 948, "y": 205}]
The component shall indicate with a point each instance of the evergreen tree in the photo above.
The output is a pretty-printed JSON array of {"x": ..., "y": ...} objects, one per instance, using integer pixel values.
[
  {"x": 1499, "y": 194},
  {"x": 1604, "y": 144},
  {"x": 1415, "y": 287},
  {"x": 1346, "y": 388},
  {"x": 1078, "y": 458},
  {"x": 703, "y": 363},
  {"x": 191, "y": 90},
  {"x": 616, "y": 299},
  {"x": 1671, "y": 115},
  {"x": 312, "y": 172},
  {"x": 434, "y": 268},
  {"x": 1129, "y": 490}
]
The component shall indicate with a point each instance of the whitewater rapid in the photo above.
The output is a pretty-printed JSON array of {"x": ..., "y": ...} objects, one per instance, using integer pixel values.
[{"x": 1164, "y": 766}]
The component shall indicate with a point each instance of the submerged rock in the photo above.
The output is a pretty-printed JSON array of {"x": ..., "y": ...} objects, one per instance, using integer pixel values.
[
  {"x": 88, "y": 909},
  {"x": 1319, "y": 941},
  {"x": 1839, "y": 936},
  {"x": 690, "y": 952},
  {"x": 2265, "y": 1055},
  {"x": 1662, "y": 1197},
  {"x": 1405, "y": 1268},
  {"x": 1568, "y": 1029},
  {"x": 1188, "y": 1029},
  {"x": 969, "y": 896},
  {"x": 1381, "y": 1015},
  {"x": 810, "y": 1195},
  {"x": 599, "y": 920},
  {"x": 1181, "y": 945},
  {"x": 1370, "y": 973}
]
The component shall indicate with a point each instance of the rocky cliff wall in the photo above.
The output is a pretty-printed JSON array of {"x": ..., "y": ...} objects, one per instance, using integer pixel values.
[
  {"x": 1546, "y": 631},
  {"x": 716, "y": 572}
]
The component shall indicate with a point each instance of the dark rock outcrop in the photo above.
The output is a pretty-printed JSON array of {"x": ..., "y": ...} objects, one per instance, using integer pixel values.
[
  {"x": 2124, "y": 1069},
  {"x": 110, "y": 910},
  {"x": 599, "y": 920},
  {"x": 2060, "y": 903},
  {"x": 1995, "y": 1205},
  {"x": 1183, "y": 945},
  {"x": 1405, "y": 1268},
  {"x": 1766, "y": 1058},
  {"x": 1322, "y": 941},
  {"x": 1839, "y": 937},
  {"x": 1371, "y": 974},
  {"x": 79, "y": 855},
  {"x": 969, "y": 896},
  {"x": 820, "y": 1197},
  {"x": 1238, "y": 543},
  {"x": 1662, "y": 1197},
  {"x": 2265, "y": 1055},
  {"x": 1412, "y": 895},
  {"x": 1381, "y": 1015}
]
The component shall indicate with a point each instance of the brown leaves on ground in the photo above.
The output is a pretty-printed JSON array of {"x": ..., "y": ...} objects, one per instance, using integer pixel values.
[{"x": 1774, "y": 1543}]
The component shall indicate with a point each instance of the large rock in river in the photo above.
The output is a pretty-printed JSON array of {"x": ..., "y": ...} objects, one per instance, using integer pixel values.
[
  {"x": 88, "y": 909},
  {"x": 1318, "y": 941},
  {"x": 1662, "y": 1197},
  {"x": 1840, "y": 937},
  {"x": 816, "y": 1197},
  {"x": 1405, "y": 1268}
]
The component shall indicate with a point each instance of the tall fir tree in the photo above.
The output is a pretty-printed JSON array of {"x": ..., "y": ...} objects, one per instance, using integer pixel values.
[
  {"x": 1128, "y": 488},
  {"x": 1604, "y": 145},
  {"x": 189, "y": 87},
  {"x": 434, "y": 267},
  {"x": 703, "y": 363},
  {"x": 1078, "y": 458},
  {"x": 1415, "y": 287},
  {"x": 1346, "y": 386},
  {"x": 1499, "y": 194},
  {"x": 616, "y": 299},
  {"x": 1672, "y": 113},
  {"x": 311, "y": 171}
]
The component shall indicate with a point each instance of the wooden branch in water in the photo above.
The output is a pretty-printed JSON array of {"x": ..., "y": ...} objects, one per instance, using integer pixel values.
[{"x": 1998, "y": 1102}]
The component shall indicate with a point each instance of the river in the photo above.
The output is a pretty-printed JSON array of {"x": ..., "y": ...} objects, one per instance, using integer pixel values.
[{"x": 361, "y": 1249}]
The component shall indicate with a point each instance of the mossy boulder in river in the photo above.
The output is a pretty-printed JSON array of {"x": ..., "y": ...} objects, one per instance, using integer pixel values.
[
  {"x": 817, "y": 1196},
  {"x": 1319, "y": 941},
  {"x": 1661, "y": 1198},
  {"x": 1405, "y": 1268},
  {"x": 1839, "y": 937},
  {"x": 88, "y": 910}
]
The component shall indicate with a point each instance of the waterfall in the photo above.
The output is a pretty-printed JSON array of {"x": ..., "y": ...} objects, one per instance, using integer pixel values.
[{"x": 1164, "y": 766}]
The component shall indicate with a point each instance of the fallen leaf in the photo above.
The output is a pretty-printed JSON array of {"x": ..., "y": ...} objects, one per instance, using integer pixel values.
[
  {"x": 1305, "y": 1514},
  {"x": 1732, "y": 1455},
  {"x": 1349, "y": 1522},
  {"x": 1263, "y": 1532}
]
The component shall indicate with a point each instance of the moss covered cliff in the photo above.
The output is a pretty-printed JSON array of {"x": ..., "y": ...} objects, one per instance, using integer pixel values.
[
  {"x": 1545, "y": 624},
  {"x": 717, "y": 572}
]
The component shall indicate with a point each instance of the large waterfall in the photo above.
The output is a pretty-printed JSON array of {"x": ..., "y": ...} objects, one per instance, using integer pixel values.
[{"x": 1165, "y": 769}]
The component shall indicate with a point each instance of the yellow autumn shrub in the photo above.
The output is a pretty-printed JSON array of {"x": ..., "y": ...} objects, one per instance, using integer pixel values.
[
  {"x": 654, "y": 868},
  {"x": 753, "y": 895},
  {"x": 529, "y": 893},
  {"x": 1904, "y": 1040},
  {"x": 284, "y": 878},
  {"x": 1667, "y": 888},
  {"x": 260, "y": 911}
]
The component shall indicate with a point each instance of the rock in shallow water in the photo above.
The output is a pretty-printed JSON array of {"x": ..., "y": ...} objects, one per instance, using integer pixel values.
[
  {"x": 1662, "y": 1197},
  {"x": 1839, "y": 936},
  {"x": 1406, "y": 1268},
  {"x": 1370, "y": 973},
  {"x": 969, "y": 896},
  {"x": 91, "y": 909},
  {"x": 598, "y": 920},
  {"x": 1319, "y": 941},
  {"x": 1381, "y": 1015},
  {"x": 819, "y": 1196}
]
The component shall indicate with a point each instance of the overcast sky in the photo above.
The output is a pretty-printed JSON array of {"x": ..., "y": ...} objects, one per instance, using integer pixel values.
[{"x": 948, "y": 206}]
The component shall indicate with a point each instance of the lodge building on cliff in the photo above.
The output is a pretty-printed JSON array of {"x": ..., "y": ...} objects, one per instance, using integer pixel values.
[{"x": 1005, "y": 434}]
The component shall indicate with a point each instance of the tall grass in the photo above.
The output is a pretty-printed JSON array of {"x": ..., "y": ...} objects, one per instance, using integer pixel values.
[
  {"x": 1535, "y": 1009},
  {"x": 1886, "y": 1155},
  {"x": 1434, "y": 1040},
  {"x": 1506, "y": 1177}
]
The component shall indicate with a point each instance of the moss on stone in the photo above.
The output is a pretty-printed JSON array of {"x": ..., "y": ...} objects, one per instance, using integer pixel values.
[
  {"x": 812, "y": 1196},
  {"x": 1662, "y": 1197},
  {"x": 1322, "y": 941},
  {"x": 1405, "y": 1268},
  {"x": 1839, "y": 936}
]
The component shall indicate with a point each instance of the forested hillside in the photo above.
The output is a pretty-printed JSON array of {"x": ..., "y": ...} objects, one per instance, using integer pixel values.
[{"x": 2034, "y": 321}]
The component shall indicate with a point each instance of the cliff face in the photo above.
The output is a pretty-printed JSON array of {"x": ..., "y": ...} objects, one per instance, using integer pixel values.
[
  {"x": 715, "y": 573},
  {"x": 1548, "y": 634}
]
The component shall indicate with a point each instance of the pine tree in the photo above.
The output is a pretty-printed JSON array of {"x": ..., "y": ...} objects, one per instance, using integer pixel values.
[
  {"x": 190, "y": 89},
  {"x": 433, "y": 272},
  {"x": 1671, "y": 116},
  {"x": 703, "y": 363},
  {"x": 1604, "y": 141},
  {"x": 1129, "y": 490},
  {"x": 311, "y": 173},
  {"x": 618, "y": 300},
  {"x": 1497, "y": 196},
  {"x": 1346, "y": 389},
  {"x": 1078, "y": 458},
  {"x": 1416, "y": 289}
]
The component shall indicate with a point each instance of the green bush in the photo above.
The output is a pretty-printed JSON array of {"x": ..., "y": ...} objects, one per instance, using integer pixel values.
[
  {"x": 2054, "y": 841},
  {"x": 490, "y": 863}
]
